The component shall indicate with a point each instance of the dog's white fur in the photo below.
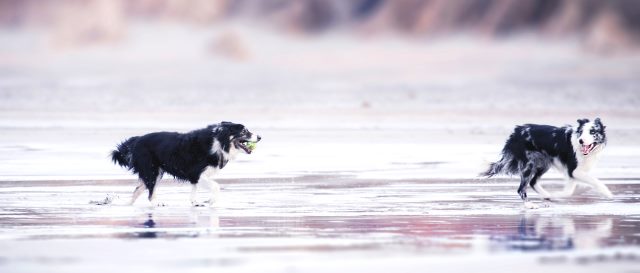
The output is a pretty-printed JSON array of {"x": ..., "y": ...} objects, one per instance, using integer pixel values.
[{"x": 206, "y": 178}]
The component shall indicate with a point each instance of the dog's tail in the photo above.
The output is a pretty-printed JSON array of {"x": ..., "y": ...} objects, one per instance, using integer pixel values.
[
  {"x": 506, "y": 165},
  {"x": 122, "y": 154}
]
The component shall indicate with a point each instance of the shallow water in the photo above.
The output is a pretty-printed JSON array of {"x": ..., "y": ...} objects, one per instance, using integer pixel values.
[{"x": 279, "y": 224}]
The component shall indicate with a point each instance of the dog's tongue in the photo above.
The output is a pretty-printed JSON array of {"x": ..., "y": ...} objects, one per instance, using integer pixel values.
[{"x": 586, "y": 149}]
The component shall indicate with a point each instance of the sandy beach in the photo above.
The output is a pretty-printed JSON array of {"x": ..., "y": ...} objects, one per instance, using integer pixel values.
[
  {"x": 315, "y": 224},
  {"x": 292, "y": 206},
  {"x": 369, "y": 165}
]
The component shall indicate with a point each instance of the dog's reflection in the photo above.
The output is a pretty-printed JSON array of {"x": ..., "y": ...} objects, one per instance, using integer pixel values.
[
  {"x": 196, "y": 223},
  {"x": 555, "y": 232},
  {"x": 204, "y": 218},
  {"x": 150, "y": 224}
]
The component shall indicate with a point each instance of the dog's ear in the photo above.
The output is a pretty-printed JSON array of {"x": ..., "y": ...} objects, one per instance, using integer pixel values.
[
  {"x": 599, "y": 124},
  {"x": 582, "y": 121},
  {"x": 233, "y": 127}
]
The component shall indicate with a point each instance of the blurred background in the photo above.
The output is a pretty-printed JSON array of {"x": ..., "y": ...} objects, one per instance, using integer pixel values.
[
  {"x": 357, "y": 63},
  {"x": 444, "y": 71}
]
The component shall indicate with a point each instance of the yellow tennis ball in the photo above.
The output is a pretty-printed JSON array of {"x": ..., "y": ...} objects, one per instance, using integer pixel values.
[{"x": 251, "y": 145}]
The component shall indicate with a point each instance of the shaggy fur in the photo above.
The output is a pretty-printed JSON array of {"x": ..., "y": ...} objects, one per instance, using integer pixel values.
[
  {"x": 532, "y": 149},
  {"x": 194, "y": 156}
]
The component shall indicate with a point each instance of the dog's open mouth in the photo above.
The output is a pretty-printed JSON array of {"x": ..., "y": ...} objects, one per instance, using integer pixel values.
[
  {"x": 586, "y": 149},
  {"x": 245, "y": 145}
]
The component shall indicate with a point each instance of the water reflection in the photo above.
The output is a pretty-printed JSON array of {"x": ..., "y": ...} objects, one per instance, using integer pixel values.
[
  {"x": 455, "y": 233},
  {"x": 195, "y": 223},
  {"x": 205, "y": 218},
  {"x": 555, "y": 232},
  {"x": 150, "y": 224}
]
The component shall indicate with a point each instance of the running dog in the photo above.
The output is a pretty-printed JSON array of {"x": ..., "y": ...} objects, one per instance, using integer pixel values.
[
  {"x": 194, "y": 156},
  {"x": 532, "y": 149}
]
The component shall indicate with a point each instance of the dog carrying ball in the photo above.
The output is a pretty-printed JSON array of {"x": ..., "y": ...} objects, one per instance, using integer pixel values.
[{"x": 251, "y": 145}]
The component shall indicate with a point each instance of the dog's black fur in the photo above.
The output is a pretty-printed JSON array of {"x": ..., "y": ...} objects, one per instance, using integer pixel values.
[
  {"x": 183, "y": 155},
  {"x": 532, "y": 149}
]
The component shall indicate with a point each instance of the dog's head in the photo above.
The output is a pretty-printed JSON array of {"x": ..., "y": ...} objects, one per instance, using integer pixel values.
[
  {"x": 590, "y": 135},
  {"x": 239, "y": 136}
]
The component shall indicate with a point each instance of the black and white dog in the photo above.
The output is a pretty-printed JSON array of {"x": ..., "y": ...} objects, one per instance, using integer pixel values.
[
  {"x": 532, "y": 149},
  {"x": 194, "y": 156}
]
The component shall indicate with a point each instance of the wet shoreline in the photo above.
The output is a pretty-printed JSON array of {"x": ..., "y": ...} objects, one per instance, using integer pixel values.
[{"x": 413, "y": 221}]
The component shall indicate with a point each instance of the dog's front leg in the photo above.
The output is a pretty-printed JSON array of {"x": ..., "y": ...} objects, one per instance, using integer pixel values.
[
  {"x": 597, "y": 184},
  {"x": 541, "y": 191},
  {"x": 194, "y": 194},
  {"x": 214, "y": 189},
  {"x": 568, "y": 190},
  {"x": 212, "y": 186},
  {"x": 136, "y": 193},
  {"x": 154, "y": 202}
]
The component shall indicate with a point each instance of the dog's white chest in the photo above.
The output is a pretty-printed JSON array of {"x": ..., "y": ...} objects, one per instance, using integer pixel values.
[
  {"x": 586, "y": 163},
  {"x": 210, "y": 172}
]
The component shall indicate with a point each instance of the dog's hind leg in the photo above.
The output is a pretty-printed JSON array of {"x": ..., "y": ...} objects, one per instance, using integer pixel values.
[
  {"x": 522, "y": 191},
  {"x": 152, "y": 197},
  {"x": 151, "y": 179},
  {"x": 524, "y": 181},
  {"x": 526, "y": 176},
  {"x": 136, "y": 193},
  {"x": 537, "y": 187}
]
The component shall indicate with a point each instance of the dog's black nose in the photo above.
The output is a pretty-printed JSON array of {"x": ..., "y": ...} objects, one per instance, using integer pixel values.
[
  {"x": 259, "y": 138},
  {"x": 579, "y": 140}
]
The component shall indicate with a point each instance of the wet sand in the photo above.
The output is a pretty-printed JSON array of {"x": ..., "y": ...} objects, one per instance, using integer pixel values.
[
  {"x": 367, "y": 165},
  {"x": 316, "y": 224},
  {"x": 391, "y": 203}
]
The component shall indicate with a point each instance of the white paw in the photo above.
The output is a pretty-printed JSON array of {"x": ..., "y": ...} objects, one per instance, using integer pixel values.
[
  {"x": 158, "y": 204},
  {"x": 530, "y": 205}
]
